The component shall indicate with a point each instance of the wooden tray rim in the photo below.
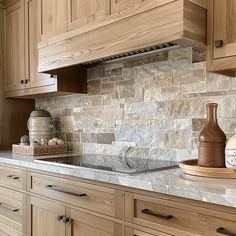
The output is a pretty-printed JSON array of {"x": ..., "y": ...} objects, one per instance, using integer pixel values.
[{"x": 191, "y": 167}]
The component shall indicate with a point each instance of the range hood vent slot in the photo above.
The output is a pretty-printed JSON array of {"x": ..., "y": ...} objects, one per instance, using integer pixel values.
[{"x": 134, "y": 54}]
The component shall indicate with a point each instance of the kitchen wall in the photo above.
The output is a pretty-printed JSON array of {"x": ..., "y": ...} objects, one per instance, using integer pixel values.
[{"x": 149, "y": 107}]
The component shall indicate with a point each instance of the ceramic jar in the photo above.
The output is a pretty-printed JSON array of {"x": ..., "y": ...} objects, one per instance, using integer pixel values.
[
  {"x": 211, "y": 151},
  {"x": 230, "y": 152},
  {"x": 40, "y": 125}
]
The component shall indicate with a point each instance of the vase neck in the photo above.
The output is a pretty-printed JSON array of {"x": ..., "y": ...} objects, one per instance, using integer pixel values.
[{"x": 212, "y": 113}]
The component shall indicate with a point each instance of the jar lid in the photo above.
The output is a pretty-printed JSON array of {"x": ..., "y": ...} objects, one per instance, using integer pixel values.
[{"x": 40, "y": 113}]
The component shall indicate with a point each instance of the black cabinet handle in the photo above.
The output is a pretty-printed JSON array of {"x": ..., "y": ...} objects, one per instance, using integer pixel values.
[
  {"x": 57, "y": 189},
  {"x": 59, "y": 217},
  {"x": 65, "y": 219},
  {"x": 26, "y": 81},
  {"x": 223, "y": 231},
  {"x": 13, "y": 177},
  {"x": 3, "y": 205},
  {"x": 219, "y": 43},
  {"x": 151, "y": 213},
  {"x": 22, "y": 81}
]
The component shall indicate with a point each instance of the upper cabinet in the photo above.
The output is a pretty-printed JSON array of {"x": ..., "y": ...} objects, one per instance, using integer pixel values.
[
  {"x": 22, "y": 34},
  {"x": 222, "y": 36},
  {"x": 99, "y": 29},
  {"x": 52, "y": 18},
  {"x": 14, "y": 46}
]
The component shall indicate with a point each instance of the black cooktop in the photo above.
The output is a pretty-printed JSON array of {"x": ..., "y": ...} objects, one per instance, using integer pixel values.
[{"x": 120, "y": 164}]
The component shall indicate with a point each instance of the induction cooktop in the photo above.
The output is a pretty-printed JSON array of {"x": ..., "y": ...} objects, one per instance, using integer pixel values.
[{"x": 120, "y": 164}]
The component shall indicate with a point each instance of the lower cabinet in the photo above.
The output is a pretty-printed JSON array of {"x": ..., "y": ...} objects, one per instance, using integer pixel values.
[
  {"x": 136, "y": 232},
  {"x": 49, "y": 218}
]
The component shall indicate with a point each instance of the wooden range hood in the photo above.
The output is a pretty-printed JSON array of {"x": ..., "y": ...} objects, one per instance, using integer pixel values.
[{"x": 151, "y": 23}]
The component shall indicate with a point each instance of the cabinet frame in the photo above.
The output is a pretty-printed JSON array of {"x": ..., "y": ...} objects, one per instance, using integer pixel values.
[{"x": 222, "y": 65}]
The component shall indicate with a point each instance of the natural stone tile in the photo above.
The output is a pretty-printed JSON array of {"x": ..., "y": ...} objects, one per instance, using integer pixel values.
[
  {"x": 216, "y": 82},
  {"x": 178, "y": 139},
  {"x": 145, "y": 107},
  {"x": 187, "y": 108},
  {"x": 114, "y": 72},
  {"x": 197, "y": 124},
  {"x": 126, "y": 133},
  {"x": 69, "y": 137},
  {"x": 180, "y": 57},
  {"x": 145, "y": 135},
  {"x": 94, "y": 87},
  {"x": 108, "y": 88},
  {"x": 188, "y": 76},
  {"x": 125, "y": 89},
  {"x": 194, "y": 88},
  {"x": 205, "y": 94},
  {"x": 96, "y": 72},
  {"x": 76, "y": 137},
  {"x": 228, "y": 108},
  {"x": 102, "y": 138}
]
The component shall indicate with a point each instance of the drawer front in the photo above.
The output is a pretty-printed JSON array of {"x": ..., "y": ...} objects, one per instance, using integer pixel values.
[
  {"x": 216, "y": 226},
  {"x": 12, "y": 177},
  {"x": 160, "y": 214},
  {"x": 11, "y": 208},
  {"x": 92, "y": 197},
  {"x": 8, "y": 231}
]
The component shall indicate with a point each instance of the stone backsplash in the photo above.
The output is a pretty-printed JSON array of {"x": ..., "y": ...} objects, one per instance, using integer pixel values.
[{"x": 152, "y": 107}]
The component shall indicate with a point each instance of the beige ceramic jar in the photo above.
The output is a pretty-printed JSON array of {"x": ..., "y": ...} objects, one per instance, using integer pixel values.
[{"x": 230, "y": 152}]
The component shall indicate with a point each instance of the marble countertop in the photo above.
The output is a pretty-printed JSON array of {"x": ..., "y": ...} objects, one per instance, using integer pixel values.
[{"x": 171, "y": 181}]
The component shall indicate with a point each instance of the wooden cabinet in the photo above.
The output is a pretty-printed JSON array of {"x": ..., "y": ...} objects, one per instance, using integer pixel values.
[
  {"x": 33, "y": 78},
  {"x": 136, "y": 232},
  {"x": 52, "y": 18},
  {"x": 22, "y": 34},
  {"x": 86, "y": 12},
  {"x": 222, "y": 36},
  {"x": 48, "y": 217},
  {"x": 216, "y": 226},
  {"x": 224, "y": 28},
  {"x": 14, "y": 46},
  {"x": 81, "y": 223},
  {"x": 45, "y": 218}
]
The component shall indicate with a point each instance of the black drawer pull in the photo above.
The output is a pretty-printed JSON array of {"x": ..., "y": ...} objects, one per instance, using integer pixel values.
[
  {"x": 57, "y": 189},
  {"x": 151, "y": 213},
  {"x": 3, "y": 205},
  {"x": 223, "y": 231},
  {"x": 13, "y": 177}
]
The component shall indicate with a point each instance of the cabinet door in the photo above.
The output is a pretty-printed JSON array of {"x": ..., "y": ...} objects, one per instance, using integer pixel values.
[
  {"x": 88, "y": 225},
  {"x": 33, "y": 78},
  {"x": 44, "y": 218},
  {"x": 135, "y": 232},
  {"x": 52, "y": 18},
  {"x": 14, "y": 46},
  {"x": 224, "y": 28},
  {"x": 84, "y": 12}
]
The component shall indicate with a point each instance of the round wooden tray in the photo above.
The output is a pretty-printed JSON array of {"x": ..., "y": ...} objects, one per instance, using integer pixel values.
[{"x": 191, "y": 167}]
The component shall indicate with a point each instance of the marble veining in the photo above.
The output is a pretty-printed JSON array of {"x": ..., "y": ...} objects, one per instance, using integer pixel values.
[{"x": 170, "y": 181}]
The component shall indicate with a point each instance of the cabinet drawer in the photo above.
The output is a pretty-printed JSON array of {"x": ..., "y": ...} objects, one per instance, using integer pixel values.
[
  {"x": 160, "y": 214},
  {"x": 12, "y": 177},
  {"x": 216, "y": 226},
  {"x": 8, "y": 231},
  {"x": 99, "y": 199},
  {"x": 11, "y": 208}
]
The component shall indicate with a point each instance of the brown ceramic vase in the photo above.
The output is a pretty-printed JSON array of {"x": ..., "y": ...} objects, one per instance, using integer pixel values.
[{"x": 211, "y": 151}]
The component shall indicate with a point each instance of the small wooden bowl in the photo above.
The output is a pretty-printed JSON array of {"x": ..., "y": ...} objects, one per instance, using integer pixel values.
[{"x": 192, "y": 168}]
